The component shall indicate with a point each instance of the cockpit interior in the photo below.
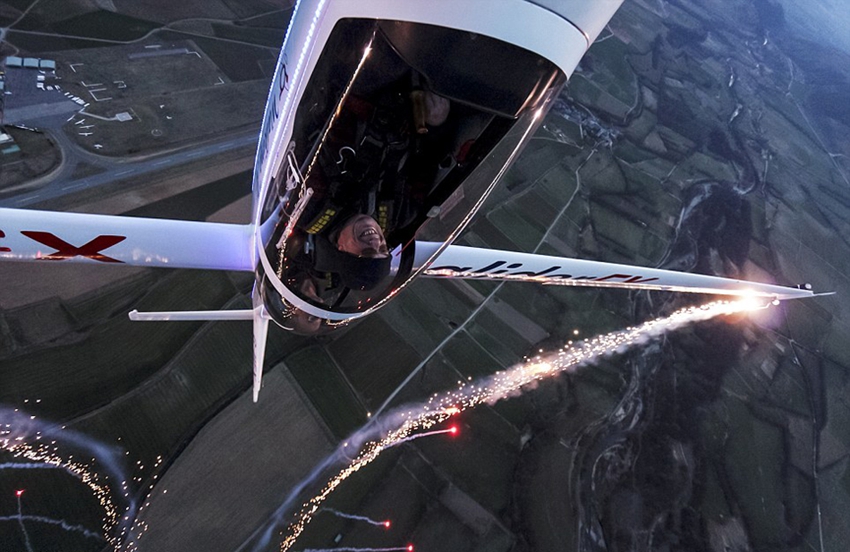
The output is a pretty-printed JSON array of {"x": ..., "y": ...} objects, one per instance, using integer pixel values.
[{"x": 391, "y": 144}]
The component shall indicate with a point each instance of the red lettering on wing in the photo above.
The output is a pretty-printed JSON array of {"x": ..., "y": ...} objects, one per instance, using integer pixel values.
[
  {"x": 64, "y": 250},
  {"x": 4, "y": 249}
]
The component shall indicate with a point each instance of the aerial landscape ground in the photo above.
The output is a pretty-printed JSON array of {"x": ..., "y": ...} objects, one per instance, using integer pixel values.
[{"x": 699, "y": 136}]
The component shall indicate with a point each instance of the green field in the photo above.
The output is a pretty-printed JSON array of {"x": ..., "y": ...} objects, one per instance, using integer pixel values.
[
  {"x": 264, "y": 37},
  {"x": 328, "y": 392},
  {"x": 239, "y": 62},
  {"x": 40, "y": 45},
  {"x": 105, "y": 25},
  {"x": 125, "y": 355},
  {"x": 276, "y": 20},
  {"x": 38, "y": 156}
]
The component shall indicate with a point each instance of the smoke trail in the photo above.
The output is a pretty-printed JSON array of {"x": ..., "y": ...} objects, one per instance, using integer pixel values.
[
  {"x": 20, "y": 518},
  {"x": 282, "y": 510},
  {"x": 60, "y": 522},
  {"x": 32, "y": 466},
  {"x": 24, "y": 436},
  {"x": 369, "y": 520},
  {"x": 451, "y": 430},
  {"x": 400, "y": 424}
]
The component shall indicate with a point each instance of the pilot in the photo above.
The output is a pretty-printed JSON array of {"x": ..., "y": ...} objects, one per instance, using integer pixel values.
[
  {"x": 361, "y": 235},
  {"x": 357, "y": 253}
]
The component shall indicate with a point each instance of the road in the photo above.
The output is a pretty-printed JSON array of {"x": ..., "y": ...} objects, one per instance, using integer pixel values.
[{"x": 62, "y": 183}]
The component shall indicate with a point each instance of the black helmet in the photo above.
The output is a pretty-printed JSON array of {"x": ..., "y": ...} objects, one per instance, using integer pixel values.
[{"x": 358, "y": 273}]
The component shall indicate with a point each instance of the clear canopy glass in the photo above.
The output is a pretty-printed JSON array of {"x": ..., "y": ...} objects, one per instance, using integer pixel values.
[{"x": 400, "y": 134}]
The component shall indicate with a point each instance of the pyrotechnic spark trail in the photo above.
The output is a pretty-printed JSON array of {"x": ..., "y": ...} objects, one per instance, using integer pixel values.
[
  {"x": 375, "y": 522},
  {"x": 24, "y": 436},
  {"x": 402, "y": 423}
]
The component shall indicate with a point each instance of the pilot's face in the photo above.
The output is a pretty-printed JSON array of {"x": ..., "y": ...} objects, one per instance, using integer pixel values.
[{"x": 362, "y": 236}]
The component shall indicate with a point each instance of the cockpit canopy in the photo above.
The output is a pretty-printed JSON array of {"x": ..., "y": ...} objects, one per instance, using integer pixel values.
[{"x": 400, "y": 134}]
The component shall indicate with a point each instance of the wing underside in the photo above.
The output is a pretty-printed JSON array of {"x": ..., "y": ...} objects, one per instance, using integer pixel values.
[
  {"x": 474, "y": 263},
  {"x": 44, "y": 236}
]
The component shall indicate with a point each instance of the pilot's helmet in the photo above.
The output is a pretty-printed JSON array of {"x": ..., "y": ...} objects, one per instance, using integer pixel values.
[{"x": 357, "y": 273}]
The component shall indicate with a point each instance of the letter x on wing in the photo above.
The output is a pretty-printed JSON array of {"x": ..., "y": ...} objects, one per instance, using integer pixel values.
[{"x": 64, "y": 250}]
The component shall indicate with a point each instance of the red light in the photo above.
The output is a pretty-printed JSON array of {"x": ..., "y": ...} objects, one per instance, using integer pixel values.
[
  {"x": 387, "y": 524},
  {"x": 409, "y": 548},
  {"x": 453, "y": 430},
  {"x": 19, "y": 492}
]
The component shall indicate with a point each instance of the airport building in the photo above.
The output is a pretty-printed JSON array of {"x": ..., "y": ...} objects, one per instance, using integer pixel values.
[
  {"x": 7, "y": 145},
  {"x": 31, "y": 63}
]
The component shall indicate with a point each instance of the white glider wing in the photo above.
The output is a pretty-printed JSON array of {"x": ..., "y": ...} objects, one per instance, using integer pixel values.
[
  {"x": 44, "y": 236},
  {"x": 457, "y": 261}
]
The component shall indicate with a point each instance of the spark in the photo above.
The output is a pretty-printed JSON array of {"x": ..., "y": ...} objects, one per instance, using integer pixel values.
[
  {"x": 39, "y": 442},
  {"x": 369, "y": 520},
  {"x": 402, "y": 424}
]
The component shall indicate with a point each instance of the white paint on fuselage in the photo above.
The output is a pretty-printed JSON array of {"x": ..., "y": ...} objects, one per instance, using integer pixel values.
[{"x": 518, "y": 22}]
